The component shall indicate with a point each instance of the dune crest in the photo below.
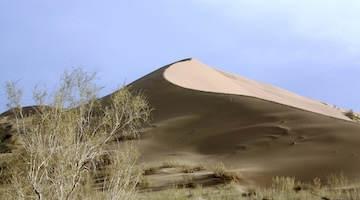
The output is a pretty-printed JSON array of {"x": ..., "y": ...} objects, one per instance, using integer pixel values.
[{"x": 192, "y": 74}]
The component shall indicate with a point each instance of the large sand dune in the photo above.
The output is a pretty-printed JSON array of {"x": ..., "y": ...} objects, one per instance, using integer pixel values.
[{"x": 204, "y": 115}]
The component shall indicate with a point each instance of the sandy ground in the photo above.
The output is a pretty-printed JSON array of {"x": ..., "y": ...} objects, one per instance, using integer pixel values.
[{"x": 204, "y": 116}]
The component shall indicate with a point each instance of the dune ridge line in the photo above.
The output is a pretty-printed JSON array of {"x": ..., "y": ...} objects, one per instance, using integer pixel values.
[{"x": 194, "y": 75}]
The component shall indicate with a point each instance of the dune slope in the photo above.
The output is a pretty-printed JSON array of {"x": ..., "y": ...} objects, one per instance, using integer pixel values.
[{"x": 205, "y": 116}]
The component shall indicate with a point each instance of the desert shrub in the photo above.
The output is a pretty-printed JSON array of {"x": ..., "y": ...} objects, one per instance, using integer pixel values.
[
  {"x": 337, "y": 180},
  {"x": 336, "y": 184},
  {"x": 225, "y": 175},
  {"x": 313, "y": 187},
  {"x": 283, "y": 184},
  {"x": 350, "y": 114},
  {"x": 65, "y": 141},
  {"x": 188, "y": 181},
  {"x": 123, "y": 174},
  {"x": 283, "y": 188},
  {"x": 337, "y": 188}
]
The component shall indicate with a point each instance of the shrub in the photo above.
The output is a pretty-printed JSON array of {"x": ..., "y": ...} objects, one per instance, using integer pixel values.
[
  {"x": 350, "y": 114},
  {"x": 65, "y": 141},
  {"x": 337, "y": 180},
  {"x": 283, "y": 184},
  {"x": 188, "y": 181},
  {"x": 225, "y": 175}
]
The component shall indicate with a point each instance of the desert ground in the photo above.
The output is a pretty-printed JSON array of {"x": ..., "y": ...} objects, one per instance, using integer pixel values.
[{"x": 203, "y": 116}]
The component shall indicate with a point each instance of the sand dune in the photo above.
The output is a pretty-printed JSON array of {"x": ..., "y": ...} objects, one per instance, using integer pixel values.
[{"x": 204, "y": 115}]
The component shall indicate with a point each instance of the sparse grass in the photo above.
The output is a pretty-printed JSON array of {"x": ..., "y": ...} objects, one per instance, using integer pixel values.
[
  {"x": 286, "y": 188},
  {"x": 283, "y": 184},
  {"x": 186, "y": 167},
  {"x": 192, "y": 169},
  {"x": 173, "y": 163},
  {"x": 282, "y": 188},
  {"x": 337, "y": 180}
]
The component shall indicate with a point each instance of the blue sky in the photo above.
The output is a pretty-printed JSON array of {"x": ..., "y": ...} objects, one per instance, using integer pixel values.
[{"x": 311, "y": 48}]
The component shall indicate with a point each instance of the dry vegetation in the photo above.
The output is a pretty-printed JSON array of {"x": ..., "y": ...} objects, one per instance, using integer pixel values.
[
  {"x": 6, "y": 133},
  {"x": 228, "y": 184},
  {"x": 64, "y": 150},
  {"x": 225, "y": 175},
  {"x": 185, "y": 167},
  {"x": 282, "y": 188},
  {"x": 350, "y": 114}
]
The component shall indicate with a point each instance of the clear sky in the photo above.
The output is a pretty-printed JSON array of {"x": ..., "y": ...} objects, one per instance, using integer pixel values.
[{"x": 309, "y": 47}]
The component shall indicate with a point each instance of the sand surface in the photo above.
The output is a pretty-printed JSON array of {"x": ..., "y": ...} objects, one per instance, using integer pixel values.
[{"x": 203, "y": 115}]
